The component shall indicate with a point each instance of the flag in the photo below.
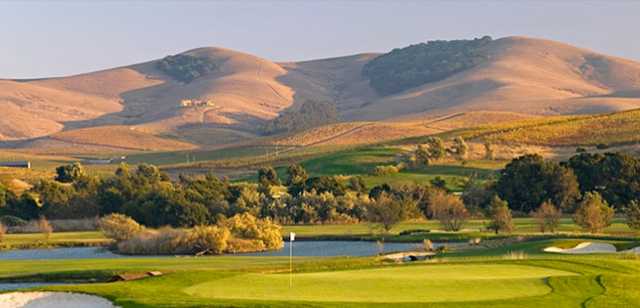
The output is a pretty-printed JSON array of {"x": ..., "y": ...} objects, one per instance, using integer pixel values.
[{"x": 292, "y": 236}]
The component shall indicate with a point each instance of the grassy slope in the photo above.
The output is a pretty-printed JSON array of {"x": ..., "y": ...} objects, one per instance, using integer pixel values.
[{"x": 611, "y": 129}]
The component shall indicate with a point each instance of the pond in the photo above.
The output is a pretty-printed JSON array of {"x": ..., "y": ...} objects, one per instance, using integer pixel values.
[{"x": 301, "y": 248}]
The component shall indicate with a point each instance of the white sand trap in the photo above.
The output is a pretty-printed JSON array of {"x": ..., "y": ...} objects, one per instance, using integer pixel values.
[
  {"x": 635, "y": 250},
  {"x": 52, "y": 300},
  {"x": 584, "y": 248}
]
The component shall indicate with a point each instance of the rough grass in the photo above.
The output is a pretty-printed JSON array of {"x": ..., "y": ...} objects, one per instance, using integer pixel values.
[{"x": 610, "y": 129}]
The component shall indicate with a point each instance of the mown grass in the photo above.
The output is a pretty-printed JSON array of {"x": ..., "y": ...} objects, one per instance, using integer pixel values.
[{"x": 467, "y": 281}]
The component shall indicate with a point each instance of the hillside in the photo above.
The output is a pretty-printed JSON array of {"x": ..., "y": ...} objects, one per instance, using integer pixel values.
[
  {"x": 231, "y": 100},
  {"x": 591, "y": 130}
]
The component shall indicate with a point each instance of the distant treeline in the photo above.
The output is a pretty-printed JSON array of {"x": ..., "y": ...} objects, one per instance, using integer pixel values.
[
  {"x": 412, "y": 66},
  {"x": 148, "y": 195},
  {"x": 310, "y": 114},
  {"x": 185, "y": 68}
]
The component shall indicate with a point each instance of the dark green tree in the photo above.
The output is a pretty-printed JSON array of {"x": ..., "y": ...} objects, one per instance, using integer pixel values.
[{"x": 70, "y": 173}]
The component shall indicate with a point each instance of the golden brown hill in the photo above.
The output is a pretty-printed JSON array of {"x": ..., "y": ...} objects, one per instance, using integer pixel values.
[{"x": 522, "y": 75}]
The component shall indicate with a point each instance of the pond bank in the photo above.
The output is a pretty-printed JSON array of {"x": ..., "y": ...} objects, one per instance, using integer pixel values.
[{"x": 300, "y": 249}]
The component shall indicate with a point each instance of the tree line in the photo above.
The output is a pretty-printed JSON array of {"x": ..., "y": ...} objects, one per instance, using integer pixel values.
[{"x": 591, "y": 187}]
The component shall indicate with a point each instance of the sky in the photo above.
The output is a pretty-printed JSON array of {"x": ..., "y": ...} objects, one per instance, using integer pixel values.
[{"x": 56, "y": 38}]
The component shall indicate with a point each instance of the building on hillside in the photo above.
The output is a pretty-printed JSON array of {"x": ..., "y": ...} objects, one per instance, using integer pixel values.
[
  {"x": 187, "y": 103},
  {"x": 16, "y": 164}
]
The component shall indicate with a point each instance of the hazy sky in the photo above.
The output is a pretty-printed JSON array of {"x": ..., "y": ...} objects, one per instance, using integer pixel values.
[{"x": 66, "y": 37}]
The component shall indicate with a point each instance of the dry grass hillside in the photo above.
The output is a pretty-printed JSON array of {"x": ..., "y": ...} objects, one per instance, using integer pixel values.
[{"x": 522, "y": 77}]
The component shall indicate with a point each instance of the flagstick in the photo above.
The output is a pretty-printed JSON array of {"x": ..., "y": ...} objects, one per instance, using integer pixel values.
[{"x": 292, "y": 237}]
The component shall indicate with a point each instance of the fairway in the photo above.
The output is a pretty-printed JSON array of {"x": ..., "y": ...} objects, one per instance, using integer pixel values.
[{"x": 426, "y": 283}]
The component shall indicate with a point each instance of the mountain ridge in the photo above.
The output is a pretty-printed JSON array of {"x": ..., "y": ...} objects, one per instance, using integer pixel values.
[{"x": 523, "y": 75}]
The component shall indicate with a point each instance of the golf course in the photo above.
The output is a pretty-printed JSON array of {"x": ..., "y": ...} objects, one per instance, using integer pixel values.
[{"x": 512, "y": 271}]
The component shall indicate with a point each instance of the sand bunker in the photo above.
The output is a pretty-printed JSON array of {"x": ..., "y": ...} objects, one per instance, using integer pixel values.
[
  {"x": 52, "y": 300},
  {"x": 584, "y": 248}
]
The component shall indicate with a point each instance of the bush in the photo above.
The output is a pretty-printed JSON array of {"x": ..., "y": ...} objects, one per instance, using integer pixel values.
[
  {"x": 3, "y": 231},
  {"x": 239, "y": 245},
  {"x": 414, "y": 231},
  {"x": 45, "y": 227},
  {"x": 156, "y": 242},
  {"x": 119, "y": 227},
  {"x": 593, "y": 213},
  {"x": 208, "y": 239},
  {"x": 246, "y": 226},
  {"x": 385, "y": 170},
  {"x": 12, "y": 221}
]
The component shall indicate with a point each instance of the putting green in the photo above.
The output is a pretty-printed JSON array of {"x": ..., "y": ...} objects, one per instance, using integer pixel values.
[{"x": 428, "y": 283}]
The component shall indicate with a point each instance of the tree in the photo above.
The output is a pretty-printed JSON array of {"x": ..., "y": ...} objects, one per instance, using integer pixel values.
[
  {"x": 296, "y": 174},
  {"x": 448, "y": 210},
  {"x": 632, "y": 215},
  {"x": 593, "y": 213},
  {"x": 267, "y": 176},
  {"x": 547, "y": 217},
  {"x": 529, "y": 180},
  {"x": 408, "y": 67},
  {"x": 70, "y": 173},
  {"x": 616, "y": 176},
  {"x": 489, "y": 153},
  {"x": 357, "y": 184},
  {"x": 387, "y": 211},
  {"x": 296, "y": 177},
  {"x": 435, "y": 148},
  {"x": 477, "y": 194},
  {"x": 439, "y": 183},
  {"x": 421, "y": 156},
  {"x": 500, "y": 215},
  {"x": 460, "y": 148},
  {"x": 326, "y": 184}
]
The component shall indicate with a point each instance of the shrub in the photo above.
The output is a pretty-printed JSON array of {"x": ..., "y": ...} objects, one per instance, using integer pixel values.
[
  {"x": 239, "y": 245},
  {"x": 119, "y": 227},
  {"x": 156, "y": 242},
  {"x": 427, "y": 245},
  {"x": 3, "y": 231},
  {"x": 449, "y": 210},
  {"x": 12, "y": 221},
  {"x": 632, "y": 215},
  {"x": 247, "y": 226},
  {"x": 414, "y": 231},
  {"x": 593, "y": 213},
  {"x": 45, "y": 227},
  {"x": 547, "y": 217},
  {"x": 208, "y": 239},
  {"x": 385, "y": 170}
]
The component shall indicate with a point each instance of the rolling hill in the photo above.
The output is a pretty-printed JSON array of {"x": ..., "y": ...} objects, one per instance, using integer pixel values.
[{"x": 138, "y": 107}]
